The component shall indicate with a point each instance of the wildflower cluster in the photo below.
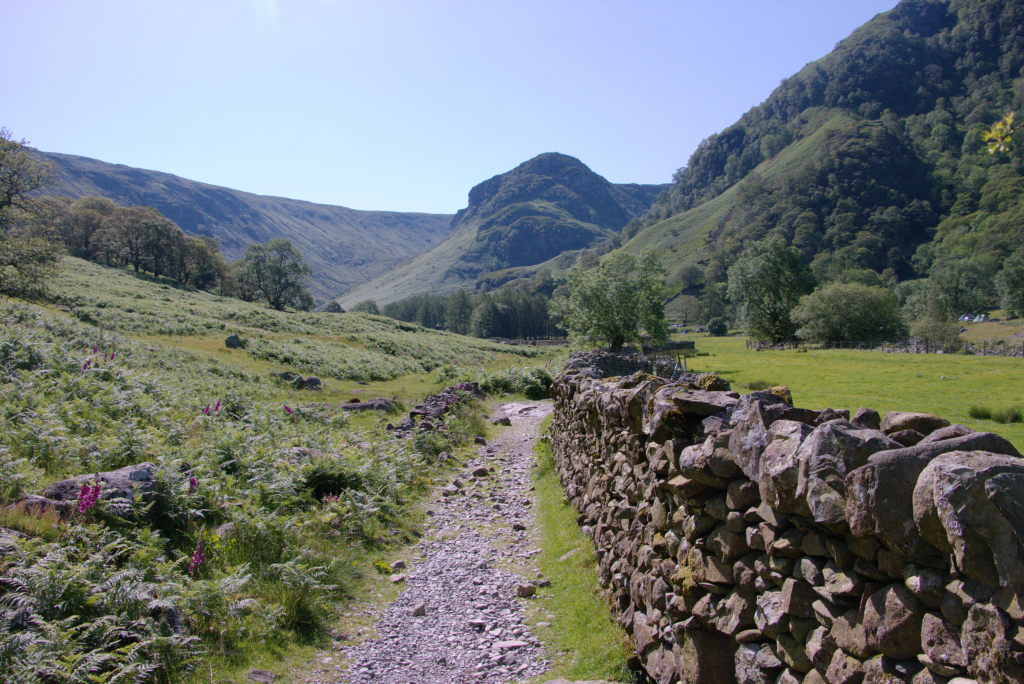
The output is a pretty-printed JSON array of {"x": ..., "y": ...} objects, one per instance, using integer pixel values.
[
  {"x": 91, "y": 361},
  {"x": 88, "y": 496},
  {"x": 197, "y": 558}
]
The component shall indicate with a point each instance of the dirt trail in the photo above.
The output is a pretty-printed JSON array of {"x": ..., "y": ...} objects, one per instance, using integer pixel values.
[{"x": 459, "y": 618}]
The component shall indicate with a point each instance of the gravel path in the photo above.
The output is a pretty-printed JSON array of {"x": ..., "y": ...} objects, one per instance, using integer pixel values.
[{"x": 459, "y": 618}]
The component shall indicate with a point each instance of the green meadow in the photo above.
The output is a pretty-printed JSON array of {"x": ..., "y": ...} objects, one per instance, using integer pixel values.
[{"x": 945, "y": 384}]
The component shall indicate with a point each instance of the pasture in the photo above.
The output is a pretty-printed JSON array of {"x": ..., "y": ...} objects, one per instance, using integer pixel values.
[{"x": 944, "y": 384}]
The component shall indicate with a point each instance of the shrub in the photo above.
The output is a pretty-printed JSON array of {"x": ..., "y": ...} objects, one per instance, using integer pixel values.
[
  {"x": 937, "y": 333},
  {"x": 330, "y": 475},
  {"x": 1008, "y": 415},
  {"x": 980, "y": 413},
  {"x": 849, "y": 312},
  {"x": 718, "y": 327},
  {"x": 534, "y": 383}
]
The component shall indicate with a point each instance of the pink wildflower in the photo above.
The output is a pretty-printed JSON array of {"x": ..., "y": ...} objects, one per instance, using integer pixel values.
[
  {"x": 193, "y": 483},
  {"x": 217, "y": 407},
  {"x": 88, "y": 496},
  {"x": 197, "y": 557},
  {"x": 206, "y": 410},
  {"x": 287, "y": 409},
  {"x": 95, "y": 349},
  {"x": 87, "y": 365}
]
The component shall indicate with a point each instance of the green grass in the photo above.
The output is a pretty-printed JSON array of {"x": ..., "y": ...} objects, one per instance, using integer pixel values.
[
  {"x": 347, "y": 347},
  {"x": 943, "y": 384},
  {"x": 585, "y": 643}
]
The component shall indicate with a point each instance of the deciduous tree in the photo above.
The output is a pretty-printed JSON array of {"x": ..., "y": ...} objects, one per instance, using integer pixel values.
[
  {"x": 614, "y": 302},
  {"x": 276, "y": 272},
  {"x": 849, "y": 312},
  {"x": 766, "y": 283}
]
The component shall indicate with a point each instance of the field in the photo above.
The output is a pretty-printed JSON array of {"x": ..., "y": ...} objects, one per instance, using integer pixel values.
[{"x": 947, "y": 385}]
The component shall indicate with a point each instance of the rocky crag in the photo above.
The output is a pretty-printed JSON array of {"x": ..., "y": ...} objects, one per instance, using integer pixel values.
[{"x": 742, "y": 539}]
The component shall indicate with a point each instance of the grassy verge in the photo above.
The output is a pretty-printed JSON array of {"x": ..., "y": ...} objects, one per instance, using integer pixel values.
[
  {"x": 570, "y": 617},
  {"x": 945, "y": 384}
]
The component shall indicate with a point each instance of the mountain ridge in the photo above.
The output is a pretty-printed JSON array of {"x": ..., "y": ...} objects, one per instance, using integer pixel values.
[
  {"x": 343, "y": 246},
  {"x": 548, "y": 205}
]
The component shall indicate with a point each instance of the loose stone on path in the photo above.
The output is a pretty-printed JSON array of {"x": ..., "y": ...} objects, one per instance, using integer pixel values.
[{"x": 459, "y": 618}]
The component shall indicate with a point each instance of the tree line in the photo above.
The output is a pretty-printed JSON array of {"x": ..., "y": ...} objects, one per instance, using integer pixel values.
[
  {"x": 36, "y": 229},
  {"x": 513, "y": 315}
]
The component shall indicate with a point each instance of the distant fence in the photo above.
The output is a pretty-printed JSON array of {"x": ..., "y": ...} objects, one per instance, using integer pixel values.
[{"x": 987, "y": 348}]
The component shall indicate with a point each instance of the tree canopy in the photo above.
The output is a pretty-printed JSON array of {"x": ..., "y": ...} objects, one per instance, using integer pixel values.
[
  {"x": 766, "y": 283},
  {"x": 849, "y": 312},
  {"x": 276, "y": 272},
  {"x": 614, "y": 302}
]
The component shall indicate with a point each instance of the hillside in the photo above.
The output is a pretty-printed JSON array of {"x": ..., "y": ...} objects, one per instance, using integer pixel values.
[
  {"x": 226, "y": 513},
  {"x": 862, "y": 158},
  {"x": 345, "y": 247},
  {"x": 548, "y": 205}
]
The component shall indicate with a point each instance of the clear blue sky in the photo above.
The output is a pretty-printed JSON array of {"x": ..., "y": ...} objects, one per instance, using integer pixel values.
[{"x": 398, "y": 104}]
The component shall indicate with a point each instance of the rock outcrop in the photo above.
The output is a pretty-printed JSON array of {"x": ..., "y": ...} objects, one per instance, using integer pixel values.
[{"x": 742, "y": 539}]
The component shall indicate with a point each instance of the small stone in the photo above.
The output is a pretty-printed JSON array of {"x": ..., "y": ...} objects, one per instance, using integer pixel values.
[
  {"x": 510, "y": 645},
  {"x": 525, "y": 589},
  {"x": 419, "y": 609},
  {"x": 397, "y": 578},
  {"x": 255, "y": 675}
]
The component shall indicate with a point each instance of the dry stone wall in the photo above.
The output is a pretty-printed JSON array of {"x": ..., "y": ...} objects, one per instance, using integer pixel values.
[{"x": 742, "y": 539}]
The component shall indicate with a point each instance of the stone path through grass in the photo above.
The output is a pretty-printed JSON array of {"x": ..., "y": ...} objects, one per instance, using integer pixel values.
[{"x": 459, "y": 618}]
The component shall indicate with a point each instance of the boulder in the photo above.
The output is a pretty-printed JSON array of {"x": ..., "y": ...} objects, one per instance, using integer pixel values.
[
  {"x": 41, "y": 506},
  {"x": 948, "y": 432},
  {"x": 703, "y": 403},
  {"x": 906, "y": 437},
  {"x": 119, "y": 487},
  {"x": 924, "y": 423},
  {"x": 940, "y": 642},
  {"x": 312, "y": 383},
  {"x": 892, "y": 622},
  {"x": 844, "y": 669},
  {"x": 829, "y": 414},
  {"x": 819, "y": 647},
  {"x": 698, "y": 463},
  {"x": 752, "y": 416},
  {"x": 992, "y": 654},
  {"x": 234, "y": 342},
  {"x": 756, "y": 663},
  {"x": 779, "y": 468},
  {"x": 707, "y": 657},
  {"x": 881, "y": 492},
  {"x": 826, "y": 457},
  {"x": 971, "y": 505},
  {"x": 868, "y": 418}
]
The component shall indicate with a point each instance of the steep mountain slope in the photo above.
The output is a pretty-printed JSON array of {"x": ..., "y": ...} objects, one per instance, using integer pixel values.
[
  {"x": 344, "y": 246},
  {"x": 546, "y": 206},
  {"x": 857, "y": 158}
]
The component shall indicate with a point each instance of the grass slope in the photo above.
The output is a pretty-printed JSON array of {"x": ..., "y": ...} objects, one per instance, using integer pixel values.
[
  {"x": 679, "y": 240},
  {"x": 946, "y": 385},
  {"x": 344, "y": 246},
  {"x": 349, "y": 347}
]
